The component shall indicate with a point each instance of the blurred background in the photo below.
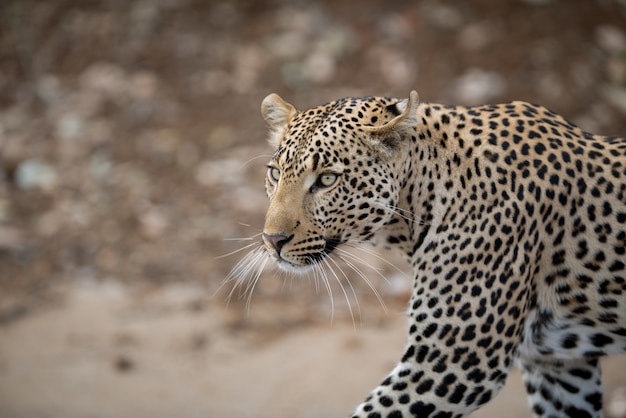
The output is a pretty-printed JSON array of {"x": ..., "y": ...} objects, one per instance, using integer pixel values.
[{"x": 132, "y": 154}]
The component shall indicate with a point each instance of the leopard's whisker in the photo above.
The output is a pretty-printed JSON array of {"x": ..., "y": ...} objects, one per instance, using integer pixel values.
[
  {"x": 326, "y": 261},
  {"x": 250, "y": 238},
  {"x": 378, "y": 257},
  {"x": 268, "y": 156},
  {"x": 247, "y": 268},
  {"x": 346, "y": 259},
  {"x": 352, "y": 289},
  {"x": 252, "y": 283},
  {"x": 410, "y": 216},
  {"x": 245, "y": 247},
  {"x": 324, "y": 276}
]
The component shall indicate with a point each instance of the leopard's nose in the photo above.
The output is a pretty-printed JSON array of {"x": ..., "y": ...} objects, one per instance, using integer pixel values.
[{"x": 277, "y": 241}]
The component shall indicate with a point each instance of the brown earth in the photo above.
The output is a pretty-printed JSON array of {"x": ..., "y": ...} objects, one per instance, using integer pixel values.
[{"x": 132, "y": 151}]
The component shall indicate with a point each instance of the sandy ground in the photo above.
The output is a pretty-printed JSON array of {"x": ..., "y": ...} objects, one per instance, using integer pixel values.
[{"x": 107, "y": 351}]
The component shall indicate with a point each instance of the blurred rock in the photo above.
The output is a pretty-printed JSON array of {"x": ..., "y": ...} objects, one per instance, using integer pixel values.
[
  {"x": 396, "y": 68},
  {"x": 441, "y": 15},
  {"x": 70, "y": 127},
  {"x": 220, "y": 172},
  {"x": 48, "y": 224},
  {"x": 396, "y": 27},
  {"x": 537, "y": 2},
  {"x": 105, "y": 78},
  {"x": 294, "y": 74},
  {"x": 338, "y": 41},
  {"x": 222, "y": 136},
  {"x": 476, "y": 36},
  {"x": 5, "y": 209},
  {"x": 286, "y": 46},
  {"x": 611, "y": 39},
  {"x": 160, "y": 145},
  {"x": 477, "y": 86},
  {"x": 154, "y": 223},
  {"x": 616, "y": 404},
  {"x": 49, "y": 89},
  {"x": 320, "y": 66},
  {"x": 249, "y": 61},
  {"x": 616, "y": 69},
  {"x": 616, "y": 96},
  {"x": 549, "y": 85},
  {"x": 216, "y": 82},
  {"x": 10, "y": 238},
  {"x": 100, "y": 165},
  {"x": 35, "y": 173},
  {"x": 143, "y": 85}
]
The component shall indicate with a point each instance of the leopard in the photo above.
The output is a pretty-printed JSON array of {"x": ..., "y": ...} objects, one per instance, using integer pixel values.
[{"x": 513, "y": 221}]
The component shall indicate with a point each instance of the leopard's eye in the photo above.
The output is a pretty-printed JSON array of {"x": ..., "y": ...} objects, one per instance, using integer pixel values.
[
  {"x": 327, "y": 180},
  {"x": 274, "y": 174}
]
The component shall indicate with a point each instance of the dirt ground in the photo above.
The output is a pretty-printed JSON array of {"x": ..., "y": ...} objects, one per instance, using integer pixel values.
[{"x": 132, "y": 152}]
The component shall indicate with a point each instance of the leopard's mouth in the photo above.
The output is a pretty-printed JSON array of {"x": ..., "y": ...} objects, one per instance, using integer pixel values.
[
  {"x": 309, "y": 260},
  {"x": 329, "y": 246}
]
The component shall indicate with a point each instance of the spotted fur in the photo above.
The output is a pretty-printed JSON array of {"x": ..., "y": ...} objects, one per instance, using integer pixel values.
[{"x": 512, "y": 218}]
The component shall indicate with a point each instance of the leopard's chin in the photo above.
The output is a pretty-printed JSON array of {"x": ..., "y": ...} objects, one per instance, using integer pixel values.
[{"x": 291, "y": 267}]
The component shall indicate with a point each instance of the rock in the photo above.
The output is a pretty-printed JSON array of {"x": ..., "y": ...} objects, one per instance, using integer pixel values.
[
  {"x": 396, "y": 69},
  {"x": 222, "y": 136},
  {"x": 611, "y": 39},
  {"x": 154, "y": 222},
  {"x": 249, "y": 63},
  {"x": 441, "y": 15},
  {"x": 287, "y": 46},
  {"x": 143, "y": 85},
  {"x": 220, "y": 172},
  {"x": 294, "y": 74},
  {"x": 100, "y": 165},
  {"x": 476, "y": 36},
  {"x": 10, "y": 238},
  {"x": 616, "y": 405},
  {"x": 549, "y": 85},
  {"x": 70, "y": 126},
  {"x": 537, "y": 2},
  {"x": 214, "y": 82},
  {"x": 616, "y": 96},
  {"x": 49, "y": 89},
  {"x": 105, "y": 78},
  {"x": 34, "y": 173},
  {"x": 616, "y": 69},
  {"x": 477, "y": 86},
  {"x": 320, "y": 67}
]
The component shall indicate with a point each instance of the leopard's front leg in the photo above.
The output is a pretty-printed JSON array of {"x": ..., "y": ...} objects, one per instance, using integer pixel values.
[
  {"x": 466, "y": 320},
  {"x": 564, "y": 388}
]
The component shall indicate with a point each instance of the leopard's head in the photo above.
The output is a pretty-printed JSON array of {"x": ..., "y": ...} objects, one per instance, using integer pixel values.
[{"x": 334, "y": 176}]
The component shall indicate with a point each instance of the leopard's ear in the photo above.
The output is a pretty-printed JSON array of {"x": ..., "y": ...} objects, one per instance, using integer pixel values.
[
  {"x": 277, "y": 113},
  {"x": 406, "y": 111},
  {"x": 387, "y": 137}
]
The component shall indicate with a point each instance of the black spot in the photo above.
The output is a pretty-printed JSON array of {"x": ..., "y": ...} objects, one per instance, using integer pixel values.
[
  {"x": 570, "y": 341},
  {"x": 425, "y": 386},
  {"x": 457, "y": 394},
  {"x": 600, "y": 340},
  {"x": 430, "y": 330},
  {"x": 410, "y": 352},
  {"x": 393, "y": 109},
  {"x": 385, "y": 401},
  {"x": 572, "y": 411},
  {"x": 421, "y": 409},
  {"x": 491, "y": 156}
]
